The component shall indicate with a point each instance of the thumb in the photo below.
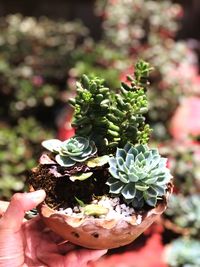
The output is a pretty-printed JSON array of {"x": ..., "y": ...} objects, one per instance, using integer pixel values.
[{"x": 20, "y": 203}]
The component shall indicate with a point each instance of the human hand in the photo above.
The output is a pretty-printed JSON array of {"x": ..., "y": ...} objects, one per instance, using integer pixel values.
[{"x": 31, "y": 243}]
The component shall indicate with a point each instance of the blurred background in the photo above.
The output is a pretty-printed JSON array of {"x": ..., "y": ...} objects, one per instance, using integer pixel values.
[{"x": 45, "y": 46}]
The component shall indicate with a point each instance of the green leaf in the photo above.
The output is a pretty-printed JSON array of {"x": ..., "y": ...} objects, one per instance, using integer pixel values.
[
  {"x": 151, "y": 201},
  {"x": 113, "y": 133},
  {"x": 52, "y": 145},
  {"x": 133, "y": 177},
  {"x": 120, "y": 163},
  {"x": 160, "y": 189},
  {"x": 121, "y": 153},
  {"x": 116, "y": 187},
  {"x": 129, "y": 159},
  {"x": 97, "y": 162},
  {"x": 81, "y": 177},
  {"x": 95, "y": 210},
  {"x": 127, "y": 147},
  {"x": 139, "y": 195},
  {"x": 80, "y": 202},
  {"x": 151, "y": 180},
  {"x": 123, "y": 177},
  {"x": 142, "y": 148},
  {"x": 64, "y": 161},
  {"x": 85, "y": 81},
  {"x": 110, "y": 181},
  {"x": 129, "y": 191},
  {"x": 141, "y": 187},
  {"x": 112, "y": 161},
  {"x": 152, "y": 192},
  {"x": 140, "y": 158},
  {"x": 114, "y": 172}
]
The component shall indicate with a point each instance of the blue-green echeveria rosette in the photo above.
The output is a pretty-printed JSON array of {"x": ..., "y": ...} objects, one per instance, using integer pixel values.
[
  {"x": 71, "y": 151},
  {"x": 139, "y": 174}
]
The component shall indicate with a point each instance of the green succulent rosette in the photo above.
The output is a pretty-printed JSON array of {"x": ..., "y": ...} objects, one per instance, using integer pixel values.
[
  {"x": 71, "y": 151},
  {"x": 139, "y": 174}
]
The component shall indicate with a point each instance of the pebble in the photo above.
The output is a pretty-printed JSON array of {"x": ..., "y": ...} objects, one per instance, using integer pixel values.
[{"x": 116, "y": 210}]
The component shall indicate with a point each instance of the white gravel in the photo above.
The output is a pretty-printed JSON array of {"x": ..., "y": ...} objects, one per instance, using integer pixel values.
[{"x": 115, "y": 210}]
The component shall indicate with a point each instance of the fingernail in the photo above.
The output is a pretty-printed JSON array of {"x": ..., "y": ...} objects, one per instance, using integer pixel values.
[{"x": 37, "y": 196}]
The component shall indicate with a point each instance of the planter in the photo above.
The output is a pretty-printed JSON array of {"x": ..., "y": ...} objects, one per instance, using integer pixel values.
[{"x": 99, "y": 233}]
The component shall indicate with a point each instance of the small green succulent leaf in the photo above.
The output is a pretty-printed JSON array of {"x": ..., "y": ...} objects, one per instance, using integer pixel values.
[
  {"x": 110, "y": 181},
  {"x": 52, "y": 145},
  {"x": 133, "y": 152},
  {"x": 141, "y": 187},
  {"x": 78, "y": 158},
  {"x": 151, "y": 201},
  {"x": 97, "y": 162},
  {"x": 123, "y": 177},
  {"x": 151, "y": 180},
  {"x": 80, "y": 202},
  {"x": 127, "y": 147},
  {"x": 152, "y": 192},
  {"x": 81, "y": 177},
  {"x": 116, "y": 187},
  {"x": 114, "y": 172},
  {"x": 140, "y": 158},
  {"x": 64, "y": 161},
  {"x": 129, "y": 159},
  {"x": 142, "y": 168},
  {"x": 95, "y": 210},
  {"x": 133, "y": 177},
  {"x": 120, "y": 162},
  {"x": 160, "y": 189},
  {"x": 112, "y": 161},
  {"x": 129, "y": 191},
  {"x": 121, "y": 153}
]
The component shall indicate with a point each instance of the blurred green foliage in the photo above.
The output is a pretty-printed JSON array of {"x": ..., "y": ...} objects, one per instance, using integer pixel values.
[
  {"x": 184, "y": 212},
  {"x": 183, "y": 252},
  {"x": 138, "y": 29},
  {"x": 19, "y": 150},
  {"x": 35, "y": 57}
]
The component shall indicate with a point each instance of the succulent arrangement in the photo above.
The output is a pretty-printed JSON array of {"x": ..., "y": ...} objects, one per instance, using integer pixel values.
[{"x": 106, "y": 171}]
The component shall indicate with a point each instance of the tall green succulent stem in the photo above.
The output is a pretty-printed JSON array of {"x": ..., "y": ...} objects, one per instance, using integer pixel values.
[{"x": 112, "y": 119}]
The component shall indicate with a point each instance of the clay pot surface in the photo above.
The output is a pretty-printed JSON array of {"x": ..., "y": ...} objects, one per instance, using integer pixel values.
[{"x": 96, "y": 233}]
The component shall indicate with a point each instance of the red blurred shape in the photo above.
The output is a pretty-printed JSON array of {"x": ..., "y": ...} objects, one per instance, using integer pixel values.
[
  {"x": 151, "y": 255},
  {"x": 185, "y": 122}
]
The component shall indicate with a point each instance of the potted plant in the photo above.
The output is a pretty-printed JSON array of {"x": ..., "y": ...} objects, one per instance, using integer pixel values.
[{"x": 104, "y": 186}]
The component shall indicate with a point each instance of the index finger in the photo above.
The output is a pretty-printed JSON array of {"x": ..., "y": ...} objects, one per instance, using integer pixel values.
[{"x": 20, "y": 203}]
